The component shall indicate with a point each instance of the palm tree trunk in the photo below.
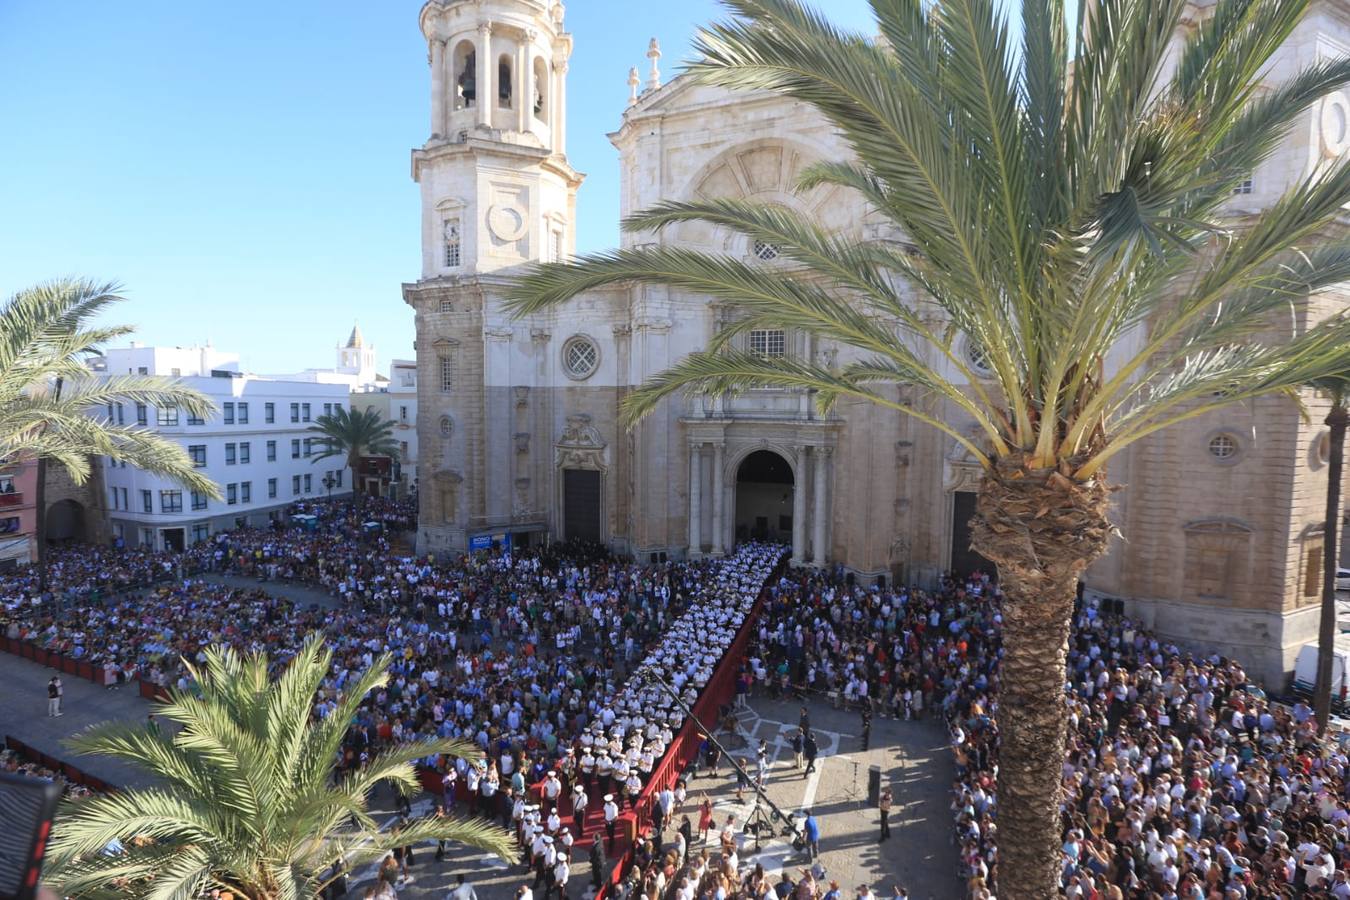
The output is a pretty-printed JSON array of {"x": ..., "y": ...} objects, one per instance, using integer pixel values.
[
  {"x": 40, "y": 512},
  {"x": 354, "y": 463},
  {"x": 1042, "y": 530},
  {"x": 1326, "y": 636},
  {"x": 40, "y": 523}
]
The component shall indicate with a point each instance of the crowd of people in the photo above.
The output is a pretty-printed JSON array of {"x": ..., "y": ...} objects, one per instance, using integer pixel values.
[
  {"x": 529, "y": 655},
  {"x": 13, "y": 763},
  {"x": 1181, "y": 779}
]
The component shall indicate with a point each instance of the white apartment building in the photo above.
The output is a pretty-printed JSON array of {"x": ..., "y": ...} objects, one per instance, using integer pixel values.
[{"x": 256, "y": 445}]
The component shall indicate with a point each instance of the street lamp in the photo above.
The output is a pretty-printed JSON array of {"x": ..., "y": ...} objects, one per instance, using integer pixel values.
[{"x": 328, "y": 482}]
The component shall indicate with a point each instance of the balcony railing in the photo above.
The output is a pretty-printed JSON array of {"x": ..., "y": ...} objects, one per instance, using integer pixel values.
[{"x": 13, "y": 498}]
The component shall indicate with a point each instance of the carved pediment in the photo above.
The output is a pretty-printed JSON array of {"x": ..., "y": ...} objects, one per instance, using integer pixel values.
[{"x": 581, "y": 445}]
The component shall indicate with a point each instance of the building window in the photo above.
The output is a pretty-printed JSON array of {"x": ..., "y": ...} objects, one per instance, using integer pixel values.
[
  {"x": 142, "y": 415},
  {"x": 167, "y": 416},
  {"x": 199, "y": 500},
  {"x": 1312, "y": 571},
  {"x": 228, "y": 409},
  {"x": 194, "y": 419},
  {"x": 309, "y": 483},
  {"x": 295, "y": 485},
  {"x": 271, "y": 488},
  {"x": 200, "y": 533},
  {"x": 112, "y": 492},
  {"x": 125, "y": 503},
  {"x": 271, "y": 451},
  {"x": 243, "y": 413},
  {"x": 504, "y": 81},
  {"x": 244, "y": 453},
  {"x": 198, "y": 454},
  {"x": 768, "y": 343},
  {"x": 328, "y": 409},
  {"x": 148, "y": 537},
  {"x": 1223, "y": 447},
  {"x": 295, "y": 412},
  {"x": 147, "y": 501},
  {"x": 580, "y": 357},
  {"x": 466, "y": 75},
  {"x": 269, "y": 413},
  {"x": 230, "y": 455},
  {"x": 450, "y": 231},
  {"x": 231, "y": 494},
  {"x": 295, "y": 448},
  {"x": 339, "y": 477},
  {"x": 765, "y": 251},
  {"x": 403, "y": 450},
  {"x": 171, "y": 501},
  {"x": 142, "y": 370},
  {"x": 246, "y": 492},
  {"x": 403, "y": 413},
  {"x": 978, "y": 358},
  {"x": 447, "y": 305},
  {"x": 120, "y": 420},
  {"x": 557, "y": 246},
  {"x": 176, "y": 372},
  {"x": 1244, "y": 186},
  {"x": 447, "y": 374},
  {"x": 305, "y": 411}
]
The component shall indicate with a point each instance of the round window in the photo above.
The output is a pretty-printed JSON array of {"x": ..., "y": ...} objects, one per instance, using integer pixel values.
[
  {"x": 977, "y": 358},
  {"x": 1223, "y": 446},
  {"x": 765, "y": 251},
  {"x": 580, "y": 357}
]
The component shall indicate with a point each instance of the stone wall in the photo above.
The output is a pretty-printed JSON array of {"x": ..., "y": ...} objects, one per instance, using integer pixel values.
[{"x": 91, "y": 497}]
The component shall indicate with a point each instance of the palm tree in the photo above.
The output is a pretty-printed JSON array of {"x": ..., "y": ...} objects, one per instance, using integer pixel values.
[
  {"x": 1336, "y": 385},
  {"x": 1038, "y": 221},
  {"x": 47, "y": 392},
  {"x": 352, "y": 435},
  {"x": 248, "y": 800}
]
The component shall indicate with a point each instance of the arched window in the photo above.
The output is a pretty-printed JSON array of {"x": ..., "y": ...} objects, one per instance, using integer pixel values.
[
  {"x": 540, "y": 87},
  {"x": 504, "y": 81},
  {"x": 465, "y": 75}
]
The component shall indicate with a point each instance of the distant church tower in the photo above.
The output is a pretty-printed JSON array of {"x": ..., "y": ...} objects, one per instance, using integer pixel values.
[
  {"x": 497, "y": 192},
  {"x": 357, "y": 357}
]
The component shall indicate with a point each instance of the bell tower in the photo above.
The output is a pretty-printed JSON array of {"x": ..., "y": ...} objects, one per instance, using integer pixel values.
[
  {"x": 497, "y": 193},
  {"x": 496, "y": 187}
]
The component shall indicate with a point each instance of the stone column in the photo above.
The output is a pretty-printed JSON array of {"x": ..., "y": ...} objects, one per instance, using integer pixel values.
[
  {"x": 719, "y": 502},
  {"x": 486, "y": 96},
  {"x": 524, "y": 86},
  {"x": 695, "y": 500},
  {"x": 437, "y": 87},
  {"x": 559, "y": 124},
  {"x": 799, "y": 509},
  {"x": 820, "y": 508}
]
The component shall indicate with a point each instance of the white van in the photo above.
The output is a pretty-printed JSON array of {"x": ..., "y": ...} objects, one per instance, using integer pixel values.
[{"x": 1305, "y": 669}]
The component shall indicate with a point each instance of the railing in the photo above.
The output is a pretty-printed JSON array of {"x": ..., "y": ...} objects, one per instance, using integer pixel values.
[{"x": 13, "y": 498}]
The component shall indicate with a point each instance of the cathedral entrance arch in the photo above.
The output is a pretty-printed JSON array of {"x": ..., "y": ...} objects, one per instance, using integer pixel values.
[{"x": 765, "y": 487}]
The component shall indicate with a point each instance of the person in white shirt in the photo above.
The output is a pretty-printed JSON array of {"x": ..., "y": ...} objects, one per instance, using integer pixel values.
[
  {"x": 611, "y": 816},
  {"x": 579, "y": 801},
  {"x": 561, "y": 872}
]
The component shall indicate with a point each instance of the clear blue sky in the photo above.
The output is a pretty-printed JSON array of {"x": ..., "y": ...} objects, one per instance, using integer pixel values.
[{"x": 242, "y": 167}]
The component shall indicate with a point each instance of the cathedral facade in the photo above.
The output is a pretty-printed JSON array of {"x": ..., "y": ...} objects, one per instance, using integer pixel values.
[{"x": 519, "y": 418}]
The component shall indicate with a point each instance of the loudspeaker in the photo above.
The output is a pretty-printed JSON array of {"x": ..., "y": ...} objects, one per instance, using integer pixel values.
[{"x": 874, "y": 786}]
